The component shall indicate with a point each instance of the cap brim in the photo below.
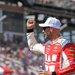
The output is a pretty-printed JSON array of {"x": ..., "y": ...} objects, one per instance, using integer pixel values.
[{"x": 43, "y": 25}]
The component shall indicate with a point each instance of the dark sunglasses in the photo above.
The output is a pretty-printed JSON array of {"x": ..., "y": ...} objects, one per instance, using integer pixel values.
[{"x": 44, "y": 28}]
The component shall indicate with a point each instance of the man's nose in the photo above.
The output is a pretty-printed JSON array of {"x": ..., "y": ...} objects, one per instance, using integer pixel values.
[{"x": 43, "y": 31}]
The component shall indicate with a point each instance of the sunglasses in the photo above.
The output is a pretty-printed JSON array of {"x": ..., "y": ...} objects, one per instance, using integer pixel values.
[{"x": 44, "y": 28}]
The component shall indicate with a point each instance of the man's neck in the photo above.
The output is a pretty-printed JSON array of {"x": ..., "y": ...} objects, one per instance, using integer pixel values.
[{"x": 55, "y": 38}]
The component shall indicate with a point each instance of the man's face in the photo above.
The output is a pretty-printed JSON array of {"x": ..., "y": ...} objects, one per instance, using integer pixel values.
[{"x": 47, "y": 32}]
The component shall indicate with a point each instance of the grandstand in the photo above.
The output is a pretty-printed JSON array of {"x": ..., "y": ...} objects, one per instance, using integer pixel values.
[{"x": 14, "y": 52}]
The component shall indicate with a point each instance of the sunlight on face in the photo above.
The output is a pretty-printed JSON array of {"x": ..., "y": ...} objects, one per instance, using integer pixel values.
[{"x": 47, "y": 32}]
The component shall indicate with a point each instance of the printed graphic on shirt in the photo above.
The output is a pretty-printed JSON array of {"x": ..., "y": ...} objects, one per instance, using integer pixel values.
[{"x": 52, "y": 56}]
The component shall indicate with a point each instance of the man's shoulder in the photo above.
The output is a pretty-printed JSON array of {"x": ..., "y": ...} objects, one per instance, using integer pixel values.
[{"x": 63, "y": 41}]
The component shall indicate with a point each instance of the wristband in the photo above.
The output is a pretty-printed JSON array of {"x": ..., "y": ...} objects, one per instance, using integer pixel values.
[
  {"x": 29, "y": 30},
  {"x": 53, "y": 73}
]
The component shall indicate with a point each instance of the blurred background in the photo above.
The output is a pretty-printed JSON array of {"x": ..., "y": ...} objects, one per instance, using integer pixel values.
[{"x": 14, "y": 51}]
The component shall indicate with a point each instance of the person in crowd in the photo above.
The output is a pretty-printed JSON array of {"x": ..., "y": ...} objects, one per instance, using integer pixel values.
[{"x": 59, "y": 52}]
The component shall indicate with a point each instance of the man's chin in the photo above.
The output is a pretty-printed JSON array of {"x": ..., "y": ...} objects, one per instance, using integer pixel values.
[{"x": 46, "y": 38}]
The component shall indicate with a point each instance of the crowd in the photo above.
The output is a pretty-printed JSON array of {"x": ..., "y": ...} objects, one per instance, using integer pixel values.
[
  {"x": 17, "y": 56},
  {"x": 59, "y": 3}
]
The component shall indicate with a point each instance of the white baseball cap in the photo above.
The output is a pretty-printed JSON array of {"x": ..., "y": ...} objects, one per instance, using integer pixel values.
[{"x": 51, "y": 22}]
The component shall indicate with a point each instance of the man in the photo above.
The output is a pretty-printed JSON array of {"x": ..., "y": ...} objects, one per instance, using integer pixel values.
[{"x": 59, "y": 52}]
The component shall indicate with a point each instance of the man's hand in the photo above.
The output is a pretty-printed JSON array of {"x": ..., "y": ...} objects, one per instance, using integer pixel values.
[
  {"x": 43, "y": 72},
  {"x": 30, "y": 23}
]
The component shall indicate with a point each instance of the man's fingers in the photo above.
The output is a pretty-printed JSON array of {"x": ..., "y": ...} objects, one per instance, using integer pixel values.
[
  {"x": 41, "y": 72},
  {"x": 30, "y": 23}
]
